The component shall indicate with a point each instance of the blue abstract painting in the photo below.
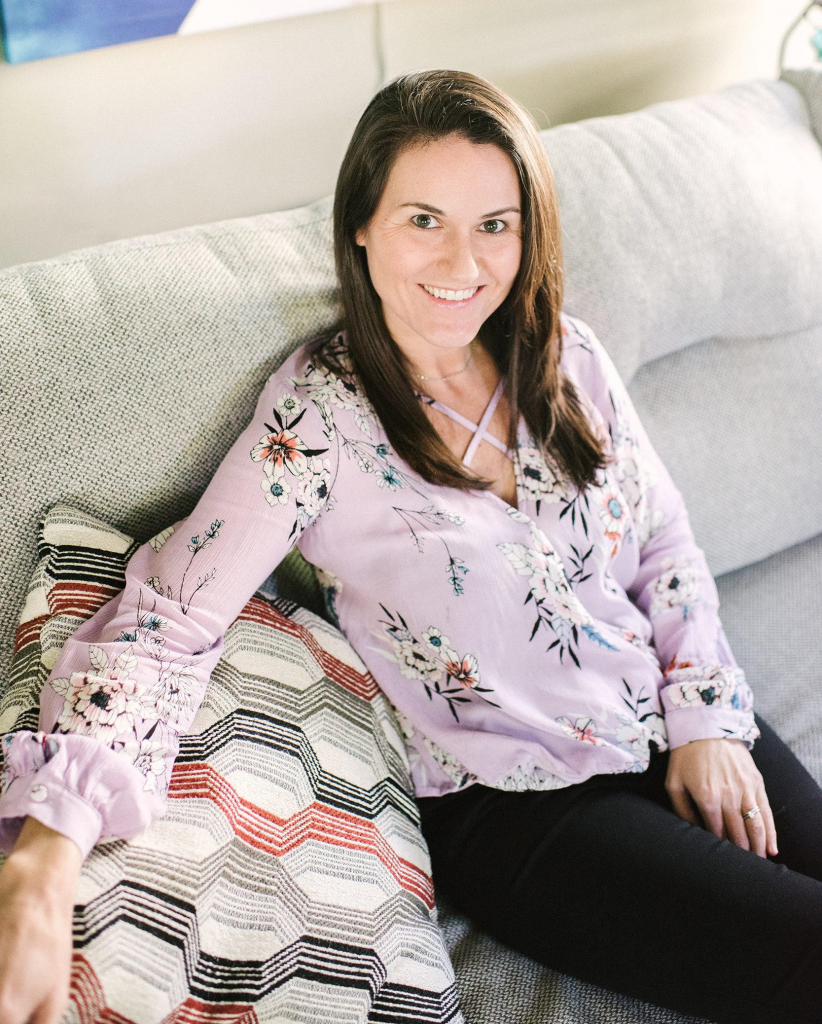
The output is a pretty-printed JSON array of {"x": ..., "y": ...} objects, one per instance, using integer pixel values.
[{"x": 33, "y": 29}]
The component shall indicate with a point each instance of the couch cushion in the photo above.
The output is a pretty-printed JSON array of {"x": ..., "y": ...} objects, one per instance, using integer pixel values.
[
  {"x": 288, "y": 879},
  {"x": 692, "y": 219},
  {"x": 809, "y": 82},
  {"x": 738, "y": 423},
  {"x": 772, "y": 612},
  {"x": 131, "y": 367}
]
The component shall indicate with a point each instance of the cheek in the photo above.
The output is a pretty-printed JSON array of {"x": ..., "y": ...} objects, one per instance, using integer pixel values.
[
  {"x": 395, "y": 263},
  {"x": 510, "y": 261}
]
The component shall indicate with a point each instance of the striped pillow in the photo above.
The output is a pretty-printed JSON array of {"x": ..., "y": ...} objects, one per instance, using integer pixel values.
[{"x": 288, "y": 880}]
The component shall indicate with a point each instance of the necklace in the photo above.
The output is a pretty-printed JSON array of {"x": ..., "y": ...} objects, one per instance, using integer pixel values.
[{"x": 448, "y": 376}]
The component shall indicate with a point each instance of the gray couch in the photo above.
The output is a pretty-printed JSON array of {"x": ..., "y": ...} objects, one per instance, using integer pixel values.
[{"x": 693, "y": 247}]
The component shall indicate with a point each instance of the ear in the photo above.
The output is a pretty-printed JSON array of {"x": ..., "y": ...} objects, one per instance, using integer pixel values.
[{"x": 359, "y": 237}]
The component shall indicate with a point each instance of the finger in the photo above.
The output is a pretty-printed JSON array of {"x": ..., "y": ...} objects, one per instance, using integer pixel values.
[
  {"x": 735, "y": 824},
  {"x": 755, "y": 828},
  {"x": 11, "y": 1013},
  {"x": 684, "y": 806},
  {"x": 711, "y": 811},
  {"x": 767, "y": 817},
  {"x": 52, "y": 1008},
  {"x": 15, "y": 1002}
]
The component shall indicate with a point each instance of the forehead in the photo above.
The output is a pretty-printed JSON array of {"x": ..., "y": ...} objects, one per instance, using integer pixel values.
[{"x": 455, "y": 168}]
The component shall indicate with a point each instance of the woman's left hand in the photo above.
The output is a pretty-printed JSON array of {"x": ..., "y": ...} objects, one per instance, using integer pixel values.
[{"x": 718, "y": 778}]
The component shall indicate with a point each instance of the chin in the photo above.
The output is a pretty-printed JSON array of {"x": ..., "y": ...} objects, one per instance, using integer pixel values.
[{"x": 453, "y": 338}]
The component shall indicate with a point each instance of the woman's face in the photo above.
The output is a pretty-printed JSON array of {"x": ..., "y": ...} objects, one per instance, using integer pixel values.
[{"x": 444, "y": 244}]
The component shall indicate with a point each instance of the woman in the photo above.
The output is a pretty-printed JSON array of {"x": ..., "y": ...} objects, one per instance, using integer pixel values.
[{"x": 502, "y": 546}]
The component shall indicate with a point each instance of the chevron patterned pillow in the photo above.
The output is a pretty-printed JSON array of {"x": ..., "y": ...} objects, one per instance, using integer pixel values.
[{"x": 288, "y": 880}]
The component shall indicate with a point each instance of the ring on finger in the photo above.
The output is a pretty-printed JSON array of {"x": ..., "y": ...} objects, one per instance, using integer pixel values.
[{"x": 752, "y": 813}]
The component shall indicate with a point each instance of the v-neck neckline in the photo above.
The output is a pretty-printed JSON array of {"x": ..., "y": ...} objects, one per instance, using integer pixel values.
[
  {"x": 479, "y": 434},
  {"x": 479, "y": 430}
]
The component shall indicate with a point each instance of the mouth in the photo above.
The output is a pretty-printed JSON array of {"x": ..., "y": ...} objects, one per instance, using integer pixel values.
[{"x": 451, "y": 298}]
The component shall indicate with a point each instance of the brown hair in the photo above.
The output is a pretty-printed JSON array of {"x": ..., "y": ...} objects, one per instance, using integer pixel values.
[{"x": 522, "y": 335}]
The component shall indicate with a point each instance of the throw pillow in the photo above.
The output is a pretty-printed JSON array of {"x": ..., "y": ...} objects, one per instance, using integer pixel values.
[{"x": 288, "y": 880}]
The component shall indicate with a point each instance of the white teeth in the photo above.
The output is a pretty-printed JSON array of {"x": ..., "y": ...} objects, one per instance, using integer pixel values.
[{"x": 442, "y": 293}]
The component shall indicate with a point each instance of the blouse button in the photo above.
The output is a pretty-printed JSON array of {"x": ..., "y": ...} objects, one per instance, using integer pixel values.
[{"x": 38, "y": 794}]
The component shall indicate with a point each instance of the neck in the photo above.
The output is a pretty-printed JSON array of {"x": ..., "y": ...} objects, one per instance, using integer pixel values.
[
  {"x": 461, "y": 362},
  {"x": 424, "y": 357}
]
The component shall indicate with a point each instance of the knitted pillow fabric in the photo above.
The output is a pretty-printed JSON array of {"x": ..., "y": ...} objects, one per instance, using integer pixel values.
[{"x": 288, "y": 880}]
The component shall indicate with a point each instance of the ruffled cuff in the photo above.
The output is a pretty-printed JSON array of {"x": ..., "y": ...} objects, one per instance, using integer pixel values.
[
  {"x": 707, "y": 702},
  {"x": 74, "y": 785}
]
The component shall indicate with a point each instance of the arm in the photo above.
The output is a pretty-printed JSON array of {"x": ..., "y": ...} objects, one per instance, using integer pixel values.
[
  {"x": 37, "y": 887},
  {"x": 130, "y": 679},
  {"x": 707, "y": 703},
  {"x": 704, "y": 693}
]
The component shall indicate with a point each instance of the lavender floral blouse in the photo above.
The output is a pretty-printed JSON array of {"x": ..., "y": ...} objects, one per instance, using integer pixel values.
[{"x": 523, "y": 648}]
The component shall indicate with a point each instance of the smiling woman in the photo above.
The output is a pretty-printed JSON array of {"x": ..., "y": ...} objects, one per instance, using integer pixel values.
[
  {"x": 509, "y": 557},
  {"x": 440, "y": 274},
  {"x": 435, "y": 199}
]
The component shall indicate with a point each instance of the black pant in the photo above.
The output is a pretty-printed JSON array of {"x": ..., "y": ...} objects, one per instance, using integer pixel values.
[{"x": 603, "y": 881}]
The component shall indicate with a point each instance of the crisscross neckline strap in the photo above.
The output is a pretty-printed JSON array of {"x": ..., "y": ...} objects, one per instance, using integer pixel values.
[{"x": 479, "y": 429}]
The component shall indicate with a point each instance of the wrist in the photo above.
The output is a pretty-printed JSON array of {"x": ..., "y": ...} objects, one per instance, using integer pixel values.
[{"x": 46, "y": 857}]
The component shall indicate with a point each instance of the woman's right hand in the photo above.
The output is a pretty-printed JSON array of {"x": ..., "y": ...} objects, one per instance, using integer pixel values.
[{"x": 37, "y": 890}]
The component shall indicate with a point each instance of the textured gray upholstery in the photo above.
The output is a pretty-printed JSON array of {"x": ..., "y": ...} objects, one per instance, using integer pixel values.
[
  {"x": 692, "y": 219},
  {"x": 809, "y": 82},
  {"x": 128, "y": 369},
  {"x": 772, "y": 613},
  {"x": 738, "y": 422},
  {"x": 693, "y": 245}
]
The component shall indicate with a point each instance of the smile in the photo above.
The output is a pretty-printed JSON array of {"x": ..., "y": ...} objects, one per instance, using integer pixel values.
[{"x": 452, "y": 296}]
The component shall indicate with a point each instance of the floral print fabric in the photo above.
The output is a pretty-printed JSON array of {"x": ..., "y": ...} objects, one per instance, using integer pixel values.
[{"x": 524, "y": 648}]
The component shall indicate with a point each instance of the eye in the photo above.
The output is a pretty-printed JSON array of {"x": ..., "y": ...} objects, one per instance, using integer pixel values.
[
  {"x": 423, "y": 216},
  {"x": 495, "y": 231}
]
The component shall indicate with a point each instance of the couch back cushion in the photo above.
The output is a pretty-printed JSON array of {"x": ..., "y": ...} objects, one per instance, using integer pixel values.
[
  {"x": 809, "y": 82},
  {"x": 692, "y": 219},
  {"x": 130, "y": 368}
]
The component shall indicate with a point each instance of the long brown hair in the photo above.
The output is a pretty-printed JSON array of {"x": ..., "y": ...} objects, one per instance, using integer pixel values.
[{"x": 523, "y": 334}]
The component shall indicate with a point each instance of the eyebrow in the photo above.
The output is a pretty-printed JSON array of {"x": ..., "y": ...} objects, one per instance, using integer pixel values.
[{"x": 441, "y": 213}]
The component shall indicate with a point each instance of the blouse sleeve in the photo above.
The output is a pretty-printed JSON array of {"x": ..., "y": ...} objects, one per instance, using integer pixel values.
[
  {"x": 131, "y": 678},
  {"x": 704, "y": 693}
]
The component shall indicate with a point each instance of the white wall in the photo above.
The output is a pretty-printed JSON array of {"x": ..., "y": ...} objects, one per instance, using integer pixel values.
[{"x": 182, "y": 130}]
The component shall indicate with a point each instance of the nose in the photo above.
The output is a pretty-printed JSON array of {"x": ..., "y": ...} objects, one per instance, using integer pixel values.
[{"x": 457, "y": 263}]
